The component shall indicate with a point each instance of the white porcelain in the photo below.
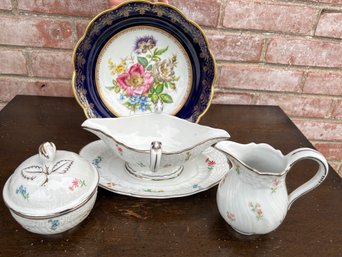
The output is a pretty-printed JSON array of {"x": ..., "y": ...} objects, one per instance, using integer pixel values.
[
  {"x": 154, "y": 65},
  {"x": 199, "y": 174},
  {"x": 52, "y": 191},
  {"x": 154, "y": 146},
  {"x": 252, "y": 197}
]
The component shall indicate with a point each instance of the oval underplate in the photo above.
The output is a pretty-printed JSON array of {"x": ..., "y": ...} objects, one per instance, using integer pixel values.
[
  {"x": 141, "y": 53},
  {"x": 199, "y": 174}
]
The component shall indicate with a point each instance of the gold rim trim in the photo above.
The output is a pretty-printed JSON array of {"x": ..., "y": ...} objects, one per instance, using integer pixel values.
[{"x": 151, "y": 3}]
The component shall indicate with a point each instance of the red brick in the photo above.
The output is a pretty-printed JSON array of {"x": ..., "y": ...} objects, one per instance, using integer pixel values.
[
  {"x": 330, "y": 25},
  {"x": 304, "y": 52},
  {"x": 221, "y": 97},
  {"x": 204, "y": 12},
  {"x": 320, "y": 129},
  {"x": 331, "y": 150},
  {"x": 235, "y": 47},
  {"x": 12, "y": 61},
  {"x": 327, "y": 83},
  {"x": 337, "y": 112},
  {"x": 53, "y": 64},
  {"x": 11, "y": 87},
  {"x": 329, "y": 1},
  {"x": 114, "y": 3},
  {"x": 298, "y": 106},
  {"x": 5, "y": 5},
  {"x": 260, "y": 78},
  {"x": 81, "y": 27},
  {"x": 286, "y": 18},
  {"x": 65, "y": 7},
  {"x": 39, "y": 32}
]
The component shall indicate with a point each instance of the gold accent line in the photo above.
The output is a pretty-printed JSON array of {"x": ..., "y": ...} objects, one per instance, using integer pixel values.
[
  {"x": 252, "y": 169},
  {"x": 57, "y": 214},
  {"x": 147, "y": 151},
  {"x": 288, "y": 167},
  {"x": 152, "y": 3},
  {"x": 74, "y": 89},
  {"x": 131, "y": 171}
]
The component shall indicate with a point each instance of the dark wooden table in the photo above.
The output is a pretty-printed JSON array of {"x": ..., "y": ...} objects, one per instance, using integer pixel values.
[{"x": 190, "y": 226}]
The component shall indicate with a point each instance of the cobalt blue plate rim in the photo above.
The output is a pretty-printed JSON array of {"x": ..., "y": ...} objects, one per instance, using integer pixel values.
[{"x": 159, "y": 15}]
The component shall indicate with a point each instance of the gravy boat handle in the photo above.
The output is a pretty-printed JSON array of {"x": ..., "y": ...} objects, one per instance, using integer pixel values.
[
  {"x": 155, "y": 155},
  {"x": 316, "y": 180}
]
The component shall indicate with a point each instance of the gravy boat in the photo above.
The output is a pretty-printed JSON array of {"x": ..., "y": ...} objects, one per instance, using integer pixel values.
[{"x": 154, "y": 146}]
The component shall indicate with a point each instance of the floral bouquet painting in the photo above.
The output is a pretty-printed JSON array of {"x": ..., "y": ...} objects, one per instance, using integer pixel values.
[{"x": 144, "y": 77}]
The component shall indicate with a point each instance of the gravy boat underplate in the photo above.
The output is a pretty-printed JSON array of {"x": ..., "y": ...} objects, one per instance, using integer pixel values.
[{"x": 155, "y": 145}]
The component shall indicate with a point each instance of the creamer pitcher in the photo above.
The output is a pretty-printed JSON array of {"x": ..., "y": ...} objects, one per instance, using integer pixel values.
[{"x": 252, "y": 197}]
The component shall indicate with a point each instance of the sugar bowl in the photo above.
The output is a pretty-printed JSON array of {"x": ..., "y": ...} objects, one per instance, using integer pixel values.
[{"x": 51, "y": 191}]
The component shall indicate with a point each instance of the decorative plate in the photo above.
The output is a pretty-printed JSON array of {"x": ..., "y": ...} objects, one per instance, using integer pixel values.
[
  {"x": 140, "y": 54},
  {"x": 199, "y": 174}
]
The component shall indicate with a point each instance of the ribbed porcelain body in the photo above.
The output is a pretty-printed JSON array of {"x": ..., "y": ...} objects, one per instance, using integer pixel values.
[
  {"x": 252, "y": 197},
  {"x": 58, "y": 223},
  {"x": 250, "y": 203}
]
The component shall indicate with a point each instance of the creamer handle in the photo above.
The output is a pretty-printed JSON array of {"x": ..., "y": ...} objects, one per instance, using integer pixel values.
[{"x": 316, "y": 180}]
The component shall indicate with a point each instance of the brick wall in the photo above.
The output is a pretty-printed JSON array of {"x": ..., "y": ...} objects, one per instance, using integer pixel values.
[{"x": 287, "y": 53}]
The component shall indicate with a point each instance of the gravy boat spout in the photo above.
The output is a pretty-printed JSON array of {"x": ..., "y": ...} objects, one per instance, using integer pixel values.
[{"x": 154, "y": 146}]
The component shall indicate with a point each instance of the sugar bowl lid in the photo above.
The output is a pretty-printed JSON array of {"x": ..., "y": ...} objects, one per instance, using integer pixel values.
[{"x": 50, "y": 183}]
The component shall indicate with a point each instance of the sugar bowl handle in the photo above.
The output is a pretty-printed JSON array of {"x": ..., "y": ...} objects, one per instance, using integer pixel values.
[
  {"x": 155, "y": 155},
  {"x": 316, "y": 180},
  {"x": 47, "y": 152}
]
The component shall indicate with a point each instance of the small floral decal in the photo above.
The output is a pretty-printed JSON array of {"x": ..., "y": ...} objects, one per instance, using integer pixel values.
[
  {"x": 143, "y": 78},
  {"x": 196, "y": 186},
  {"x": 237, "y": 168},
  {"x": 231, "y": 216},
  {"x": 275, "y": 185},
  {"x": 256, "y": 208},
  {"x": 119, "y": 149},
  {"x": 96, "y": 162},
  {"x": 211, "y": 163},
  {"x": 76, "y": 183},
  {"x": 53, "y": 224},
  {"x": 154, "y": 191},
  {"x": 22, "y": 191},
  {"x": 110, "y": 184},
  {"x": 188, "y": 156}
]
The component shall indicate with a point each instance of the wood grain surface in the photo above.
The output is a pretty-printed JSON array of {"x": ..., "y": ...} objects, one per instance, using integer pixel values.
[{"x": 189, "y": 226}]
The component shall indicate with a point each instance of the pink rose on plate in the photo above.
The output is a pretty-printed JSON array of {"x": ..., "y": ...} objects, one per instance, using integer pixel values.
[{"x": 136, "y": 80}]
